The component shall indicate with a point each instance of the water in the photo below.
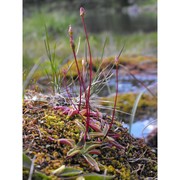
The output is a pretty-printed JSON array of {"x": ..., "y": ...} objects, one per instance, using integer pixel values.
[
  {"x": 141, "y": 128},
  {"x": 120, "y": 23},
  {"x": 127, "y": 20},
  {"x": 128, "y": 84}
]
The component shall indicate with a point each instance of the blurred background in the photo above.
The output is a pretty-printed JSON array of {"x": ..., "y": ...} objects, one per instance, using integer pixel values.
[{"x": 133, "y": 22}]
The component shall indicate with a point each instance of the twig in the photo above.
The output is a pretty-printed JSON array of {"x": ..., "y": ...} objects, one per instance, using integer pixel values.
[{"x": 31, "y": 169}]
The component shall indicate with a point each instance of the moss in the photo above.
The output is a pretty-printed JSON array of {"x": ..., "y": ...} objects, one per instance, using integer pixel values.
[
  {"x": 128, "y": 61},
  {"x": 126, "y": 101},
  {"x": 125, "y": 173},
  {"x": 43, "y": 126},
  {"x": 110, "y": 169}
]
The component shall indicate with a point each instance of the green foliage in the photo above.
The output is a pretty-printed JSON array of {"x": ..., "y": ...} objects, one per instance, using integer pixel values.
[
  {"x": 33, "y": 26},
  {"x": 94, "y": 176},
  {"x": 27, "y": 163},
  {"x": 149, "y": 2},
  {"x": 55, "y": 75},
  {"x": 64, "y": 171},
  {"x": 33, "y": 35},
  {"x": 85, "y": 150}
]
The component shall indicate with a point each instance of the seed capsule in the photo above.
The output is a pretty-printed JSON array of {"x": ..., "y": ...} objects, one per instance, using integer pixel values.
[{"x": 82, "y": 11}]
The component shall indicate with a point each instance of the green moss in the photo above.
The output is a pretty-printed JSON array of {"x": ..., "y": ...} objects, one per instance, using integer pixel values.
[
  {"x": 128, "y": 61},
  {"x": 126, "y": 101},
  {"x": 125, "y": 173},
  {"x": 110, "y": 169}
]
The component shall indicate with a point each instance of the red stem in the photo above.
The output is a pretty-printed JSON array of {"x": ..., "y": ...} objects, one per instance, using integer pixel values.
[
  {"x": 79, "y": 74},
  {"x": 90, "y": 79},
  {"x": 81, "y": 82}
]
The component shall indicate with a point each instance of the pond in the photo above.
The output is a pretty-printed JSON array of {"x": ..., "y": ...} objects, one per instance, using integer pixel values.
[
  {"x": 128, "y": 84},
  {"x": 142, "y": 128},
  {"x": 120, "y": 22}
]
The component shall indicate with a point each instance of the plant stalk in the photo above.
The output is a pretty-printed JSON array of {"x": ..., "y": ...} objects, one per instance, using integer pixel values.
[{"x": 82, "y": 12}]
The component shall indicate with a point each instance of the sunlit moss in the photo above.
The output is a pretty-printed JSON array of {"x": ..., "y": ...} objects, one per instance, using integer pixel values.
[{"x": 126, "y": 101}]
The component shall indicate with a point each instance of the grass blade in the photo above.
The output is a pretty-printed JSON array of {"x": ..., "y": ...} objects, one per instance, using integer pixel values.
[
  {"x": 30, "y": 74},
  {"x": 134, "y": 109}
]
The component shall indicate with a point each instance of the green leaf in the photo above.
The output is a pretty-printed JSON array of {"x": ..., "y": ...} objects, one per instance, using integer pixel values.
[
  {"x": 94, "y": 176},
  {"x": 41, "y": 176},
  {"x": 96, "y": 134},
  {"x": 66, "y": 171},
  {"x": 81, "y": 126},
  {"x": 91, "y": 146},
  {"x": 105, "y": 129},
  {"x": 26, "y": 161},
  {"x": 91, "y": 161},
  {"x": 73, "y": 152},
  {"x": 135, "y": 106},
  {"x": 59, "y": 170},
  {"x": 71, "y": 172},
  {"x": 27, "y": 164}
]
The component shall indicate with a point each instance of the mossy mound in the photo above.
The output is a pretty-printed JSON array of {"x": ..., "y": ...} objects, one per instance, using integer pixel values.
[
  {"x": 49, "y": 132},
  {"x": 125, "y": 103},
  {"x": 138, "y": 63}
]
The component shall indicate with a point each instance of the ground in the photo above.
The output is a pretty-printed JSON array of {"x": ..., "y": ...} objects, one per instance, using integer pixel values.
[{"x": 46, "y": 125}]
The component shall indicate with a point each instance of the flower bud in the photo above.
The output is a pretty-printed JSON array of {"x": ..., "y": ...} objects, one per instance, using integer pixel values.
[
  {"x": 116, "y": 60},
  {"x": 82, "y": 11},
  {"x": 70, "y": 30},
  {"x": 72, "y": 44}
]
